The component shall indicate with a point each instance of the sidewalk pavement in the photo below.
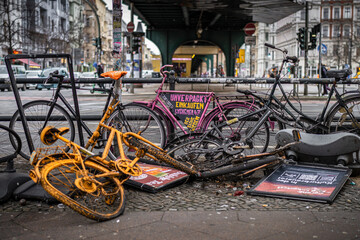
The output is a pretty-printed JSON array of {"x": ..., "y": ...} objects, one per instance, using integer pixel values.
[{"x": 267, "y": 225}]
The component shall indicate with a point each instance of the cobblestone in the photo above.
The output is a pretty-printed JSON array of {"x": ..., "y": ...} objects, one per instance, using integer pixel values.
[{"x": 215, "y": 195}]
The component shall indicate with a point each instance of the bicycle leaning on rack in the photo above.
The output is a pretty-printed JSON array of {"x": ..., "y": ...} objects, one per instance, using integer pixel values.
[
  {"x": 91, "y": 184},
  {"x": 344, "y": 115},
  {"x": 193, "y": 109},
  {"x": 40, "y": 113}
]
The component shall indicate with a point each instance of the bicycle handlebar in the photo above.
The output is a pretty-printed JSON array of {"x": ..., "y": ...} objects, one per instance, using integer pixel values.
[{"x": 162, "y": 69}]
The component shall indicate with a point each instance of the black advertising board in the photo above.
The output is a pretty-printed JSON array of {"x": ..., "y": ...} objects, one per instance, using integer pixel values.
[
  {"x": 155, "y": 178},
  {"x": 303, "y": 182},
  {"x": 189, "y": 107}
]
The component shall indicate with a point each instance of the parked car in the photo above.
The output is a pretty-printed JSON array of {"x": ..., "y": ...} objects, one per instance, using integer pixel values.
[
  {"x": 46, "y": 73},
  {"x": 32, "y": 74},
  {"x": 19, "y": 72}
]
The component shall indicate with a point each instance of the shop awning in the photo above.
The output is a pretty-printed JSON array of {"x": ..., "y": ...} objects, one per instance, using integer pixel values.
[{"x": 29, "y": 62}]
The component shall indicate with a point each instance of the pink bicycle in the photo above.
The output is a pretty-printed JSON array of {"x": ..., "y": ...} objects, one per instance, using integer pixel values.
[{"x": 187, "y": 111}]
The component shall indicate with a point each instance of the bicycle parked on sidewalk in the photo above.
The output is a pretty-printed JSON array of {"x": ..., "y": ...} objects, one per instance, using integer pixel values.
[
  {"x": 344, "y": 115},
  {"x": 193, "y": 109},
  {"x": 40, "y": 113}
]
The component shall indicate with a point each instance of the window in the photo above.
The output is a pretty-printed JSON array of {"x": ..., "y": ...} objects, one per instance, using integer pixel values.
[
  {"x": 347, "y": 12},
  {"x": 325, "y": 31},
  {"x": 336, "y": 32},
  {"x": 358, "y": 13},
  {"x": 43, "y": 17},
  {"x": 325, "y": 13},
  {"x": 266, "y": 36},
  {"x": 358, "y": 31},
  {"x": 302, "y": 15},
  {"x": 63, "y": 24},
  {"x": 346, "y": 30},
  {"x": 346, "y": 50},
  {"x": 335, "y": 50},
  {"x": 336, "y": 13}
]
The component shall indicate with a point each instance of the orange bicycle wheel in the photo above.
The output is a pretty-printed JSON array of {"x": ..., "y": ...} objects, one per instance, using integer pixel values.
[{"x": 100, "y": 198}]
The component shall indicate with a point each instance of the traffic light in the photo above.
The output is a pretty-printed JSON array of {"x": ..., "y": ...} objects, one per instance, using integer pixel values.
[
  {"x": 312, "y": 41},
  {"x": 301, "y": 38},
  {"x": 97, "y": 42},
  {"x": 314, "y": 31}
]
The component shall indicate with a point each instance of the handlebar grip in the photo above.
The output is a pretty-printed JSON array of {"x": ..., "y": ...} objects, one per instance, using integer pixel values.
[
  {"x": 293, "y": 59},
  {"x": 269, "y": 45}
]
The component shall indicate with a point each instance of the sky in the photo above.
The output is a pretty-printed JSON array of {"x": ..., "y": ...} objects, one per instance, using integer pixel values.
[{"x": 126, "y": 17}]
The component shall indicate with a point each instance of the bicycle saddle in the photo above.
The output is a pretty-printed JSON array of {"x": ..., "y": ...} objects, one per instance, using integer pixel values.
[
  {"x": 320, "y": 144},
  {"x": 338, "y": 74},
  {"x": 116, "y": 75},
  {"x": 48, "y": 134}
]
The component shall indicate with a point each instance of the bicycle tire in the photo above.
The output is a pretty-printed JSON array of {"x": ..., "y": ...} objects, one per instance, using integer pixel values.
[
  {"x": 134, "y": 114},
  {"x": 10, "y": 144},
  {"x": 199, "y": 152},
  {"x": 164, "y": 118},
  {"x": 36, "y": 111},
  {"x": 339, "y": 120},
  {"x": 58, "y": 179},
  {"x": 260, "y": 140},
  {"x": 161, "y": 156}
]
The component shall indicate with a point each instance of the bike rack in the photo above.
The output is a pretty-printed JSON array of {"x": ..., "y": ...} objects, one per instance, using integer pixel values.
[{"x": 8, "y": 59}]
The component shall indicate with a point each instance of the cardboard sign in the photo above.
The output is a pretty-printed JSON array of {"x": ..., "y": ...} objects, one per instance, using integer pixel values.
[
  {"x": 303, "y": 182},
  {"x": 155, "y": 178},
  {"x": 188, "y": 107}
]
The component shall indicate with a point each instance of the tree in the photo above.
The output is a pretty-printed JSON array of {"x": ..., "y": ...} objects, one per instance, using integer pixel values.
[{"x": 11, "y": 25}]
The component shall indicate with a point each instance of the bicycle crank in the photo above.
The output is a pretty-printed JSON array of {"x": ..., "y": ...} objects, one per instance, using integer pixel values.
[{"x": 125, "y": 166}]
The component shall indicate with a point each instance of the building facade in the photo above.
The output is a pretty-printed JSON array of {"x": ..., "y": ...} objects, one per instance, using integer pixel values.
[{"x": 340, "y": 37}]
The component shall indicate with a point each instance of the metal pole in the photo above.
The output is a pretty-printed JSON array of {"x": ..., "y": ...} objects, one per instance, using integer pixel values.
[
  {"x": 99, "y": 48},
  {"x": 320, "y": 46},
  {"x": 320, "y": 63},
  {"x": 306, "y": 45},
  {"x": 131, "y": 90},
  {"x": 350, "y": 51}
]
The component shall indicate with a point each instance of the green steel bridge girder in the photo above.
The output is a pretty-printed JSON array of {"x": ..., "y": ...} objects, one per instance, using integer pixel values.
[{"x": 169, "y": 40}]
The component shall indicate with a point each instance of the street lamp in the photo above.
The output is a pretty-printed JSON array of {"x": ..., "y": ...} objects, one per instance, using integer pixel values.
[{"x": 98, "y": 42}]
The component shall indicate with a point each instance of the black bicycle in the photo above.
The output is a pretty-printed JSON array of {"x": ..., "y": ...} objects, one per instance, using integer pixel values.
[
  {"x": 41, "y": 113},
  {"x": 344, "y": 115}
]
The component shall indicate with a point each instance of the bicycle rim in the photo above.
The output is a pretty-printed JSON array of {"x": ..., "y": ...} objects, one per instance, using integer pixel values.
[
  {"x": 35, "y": 113},
  {"x": 200, "y": 153},
  {"x": 239, "y": 130},
  {"x": 141, "y": 120},
  {"x": 10, "y": 144},
  {"x": 65, "y": 181},
  {"x": 340, "y": 120}
]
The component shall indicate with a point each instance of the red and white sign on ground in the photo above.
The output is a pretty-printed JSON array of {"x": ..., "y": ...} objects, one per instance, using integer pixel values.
[
  {"x": 249, "y": 29},
  {"x": 130, "y": 27}
]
